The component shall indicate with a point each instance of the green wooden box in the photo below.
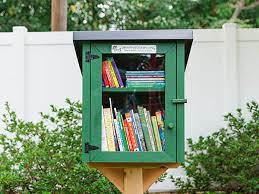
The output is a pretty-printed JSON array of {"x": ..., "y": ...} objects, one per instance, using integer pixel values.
[{"x": 144, "y": 52}]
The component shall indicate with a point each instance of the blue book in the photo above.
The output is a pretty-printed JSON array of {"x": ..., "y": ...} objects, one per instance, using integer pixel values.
[{"x": 136, "y": 130}]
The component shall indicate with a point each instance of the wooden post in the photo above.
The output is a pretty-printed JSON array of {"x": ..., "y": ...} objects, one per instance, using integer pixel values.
[
  {"x": 133, "y": 181},
  {"x": 58, "y": 15},
  {"x": 133, "y": 178}
]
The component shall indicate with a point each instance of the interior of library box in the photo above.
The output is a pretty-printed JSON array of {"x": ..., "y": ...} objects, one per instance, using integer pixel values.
[{"x": 133, "y": 85}]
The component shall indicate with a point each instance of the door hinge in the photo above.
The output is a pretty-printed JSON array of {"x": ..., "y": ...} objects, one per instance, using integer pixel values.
[
  {"x": 90, "y": 57},
  {"x": 179, "y": 101},
  {"x": 89, "y": 147}
]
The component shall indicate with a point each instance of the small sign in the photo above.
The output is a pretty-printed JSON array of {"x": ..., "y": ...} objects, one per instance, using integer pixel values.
[{"x": 134, "y": 49}]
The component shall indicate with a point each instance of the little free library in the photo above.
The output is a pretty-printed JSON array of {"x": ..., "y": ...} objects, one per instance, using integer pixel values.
[{"x": 133, "y": 99}]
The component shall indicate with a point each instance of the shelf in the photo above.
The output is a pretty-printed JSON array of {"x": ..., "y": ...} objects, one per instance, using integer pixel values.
[{"x": 133, "y": 89}]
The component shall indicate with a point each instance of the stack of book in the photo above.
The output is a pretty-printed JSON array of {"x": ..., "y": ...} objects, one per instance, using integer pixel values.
[
  {"x": 110, "y": 74},
  {"x": 132, "y": 131},
  {"x": 145, "y": 79}
]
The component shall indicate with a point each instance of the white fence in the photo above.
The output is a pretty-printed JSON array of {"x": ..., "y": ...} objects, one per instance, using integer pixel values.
[{"x": 40, "y": 68}]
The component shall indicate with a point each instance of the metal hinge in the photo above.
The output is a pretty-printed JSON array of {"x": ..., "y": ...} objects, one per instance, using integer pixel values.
[
  {"x": 89, "y": 56},
  {"x": 89, "y": 147},
  {"x": 179, "y": 101}
]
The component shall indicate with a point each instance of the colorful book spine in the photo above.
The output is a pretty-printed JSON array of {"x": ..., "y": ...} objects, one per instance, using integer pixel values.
[
  {"x": 118, "y": 134},
  {"x": 145, "y": 76},
  {"x": 145, "y": 79},
  {"x": 135, "y": 130},
  {"x": 160, "y": 124},
  {"x": 145, "y": 128},
  {"x": 109, "y": 129},
  {"x": 125, "y": 125},
  {"x": 156, "y": 133},
  {"x": 140, "y": 132},
  {"x": 108, "y": 74},
  {"x": 122, "y": 133},
  {"x": 139, "y": 84},
  {"x": 145, "y": 72},
  {"x": 117, "y": 73},
  {"x": 115, "y": 140},
  {"x": 114, "y": 78},
  {"x": 150, "y": 130},
  {"x": 104, "y": 75},
  {"x": 131, "y": 132},
  {"x": 104, "y": 139}
]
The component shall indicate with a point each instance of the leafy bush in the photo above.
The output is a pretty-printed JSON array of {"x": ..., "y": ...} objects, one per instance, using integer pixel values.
[
  {"x": 227, "y": 160},
  {"x": 45, "y": 156}
]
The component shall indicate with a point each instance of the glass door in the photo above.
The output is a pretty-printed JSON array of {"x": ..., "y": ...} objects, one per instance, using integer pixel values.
[{"x": 132, "y": 116}]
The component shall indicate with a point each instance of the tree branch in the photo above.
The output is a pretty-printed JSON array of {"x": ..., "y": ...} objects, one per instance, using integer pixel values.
[
  {"x": 251, "y": 6},
  {"x": 240, "y": 6},
  {"x": 238, "y": 10}
]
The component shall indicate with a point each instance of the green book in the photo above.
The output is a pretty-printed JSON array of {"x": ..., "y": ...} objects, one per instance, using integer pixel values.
[
  {"x": 150, "y": 130},
  {"x": 123, "y": 136},
  {"x": 156, "y": 133},
  {"x": 144, "y": 128}
]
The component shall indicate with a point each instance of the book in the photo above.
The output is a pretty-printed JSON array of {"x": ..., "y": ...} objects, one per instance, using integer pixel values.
[
  {"x": 144, "y": 76},
  {"x": 156, "y": 133},
  {"x": 144, "y": 127},
  {"x": 125, "y": 125},
  {"x": 109, "y": 129},
  {"x": 141, "y": 135},
  {"x": 104, "y": 139},
  {"x": 146, "y": 79},
  {"x": 104, "y": 75},
  {"x": 139, "y": 84},
  {"x": 150, "y": 129},
  {"x": 131, "y": 132},
  {"x": 160, "y": 124},
  {"x": 117, "y": 73},
  {"x": 145, "y": 72},
  {"x": 135, "y": 130},
  {"x": 118, "y": 135},
  {"x": 120, "y": 125},
  {"x": 108, "y": 74},
  {"x": 114, "y": 78}
]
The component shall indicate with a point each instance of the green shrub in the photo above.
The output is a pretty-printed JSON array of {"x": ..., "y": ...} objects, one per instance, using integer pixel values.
[
  {"x": 45, "y": 156},
  {"x": 226, "y": 160}
]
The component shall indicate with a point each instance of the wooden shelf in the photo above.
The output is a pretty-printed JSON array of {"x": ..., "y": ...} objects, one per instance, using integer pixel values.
[{"x": 133, "y": 89}]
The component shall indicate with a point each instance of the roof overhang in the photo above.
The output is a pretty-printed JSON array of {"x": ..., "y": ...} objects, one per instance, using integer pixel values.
[{"x": 134, "y": 35}]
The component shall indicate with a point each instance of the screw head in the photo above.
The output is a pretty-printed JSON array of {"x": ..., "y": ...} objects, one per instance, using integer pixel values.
[{"x": 170, "y": 125}]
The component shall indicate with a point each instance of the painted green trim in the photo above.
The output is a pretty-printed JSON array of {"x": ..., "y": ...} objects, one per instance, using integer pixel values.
[
  {"x": 180, "y": 107},
  {"x": 170, "y": 109},
  {"x": 133, "y": 89},
  {"x": 146, "y": 157},
  {"x": 86, "y": 101},
  {"x": 96, "y": 100},
  {"x": 94, "y": 87}
]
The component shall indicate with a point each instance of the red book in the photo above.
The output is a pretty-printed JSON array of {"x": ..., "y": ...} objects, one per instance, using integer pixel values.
[
  {"x": 125, "y": 126},
  {"x": 108, "y": 74},
  {"x": 131, "y": 132},
  {"x": 105, "y": 78}
]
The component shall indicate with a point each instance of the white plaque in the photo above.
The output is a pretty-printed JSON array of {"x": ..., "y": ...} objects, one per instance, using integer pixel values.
[{"x": 134, "y": 49}]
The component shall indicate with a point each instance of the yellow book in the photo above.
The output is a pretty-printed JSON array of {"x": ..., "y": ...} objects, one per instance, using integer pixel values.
[
  {"x": 109, "y": 129},
  {"x": 115, "y": 80}
]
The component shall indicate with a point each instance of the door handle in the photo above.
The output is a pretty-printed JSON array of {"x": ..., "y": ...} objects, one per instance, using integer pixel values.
[{"x": 179, "y": 101}]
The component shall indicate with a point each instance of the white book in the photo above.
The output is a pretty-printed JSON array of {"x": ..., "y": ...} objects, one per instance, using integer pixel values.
[
  {"x": 104, "y": 139},
  {"x": 109, "y": 129}
]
